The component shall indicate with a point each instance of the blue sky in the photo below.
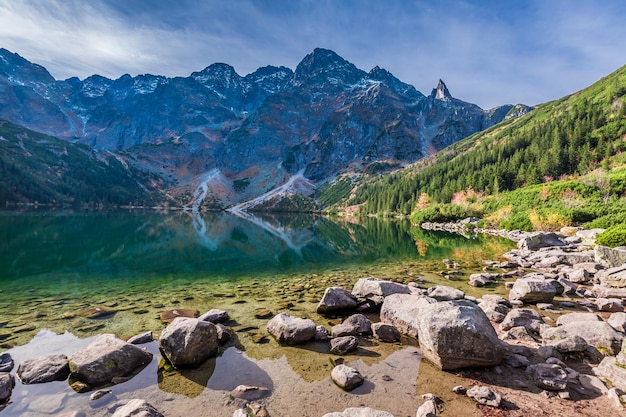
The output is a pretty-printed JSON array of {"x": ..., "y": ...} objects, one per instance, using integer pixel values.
[{"x": 488, "y": 52}]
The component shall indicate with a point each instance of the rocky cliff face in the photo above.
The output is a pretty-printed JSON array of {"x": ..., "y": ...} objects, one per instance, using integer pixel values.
[{"x": 224, "y": 139}]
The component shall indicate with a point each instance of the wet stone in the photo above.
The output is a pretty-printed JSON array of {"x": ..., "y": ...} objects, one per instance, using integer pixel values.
[
  {"x": 263, "y": 314},
  {"x": 169, "y": 315},
  {"x": 249, "y": 393},
  {"x": 97, "y": 312}
]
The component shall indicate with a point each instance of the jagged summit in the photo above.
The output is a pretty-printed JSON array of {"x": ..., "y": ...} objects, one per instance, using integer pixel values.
[
  {"x": 326, "y": 64},
  {"x": 441, "y": 92}
]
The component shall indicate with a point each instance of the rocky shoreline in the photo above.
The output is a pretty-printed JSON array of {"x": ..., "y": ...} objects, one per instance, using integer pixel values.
[{"x": 561, "y": 331}]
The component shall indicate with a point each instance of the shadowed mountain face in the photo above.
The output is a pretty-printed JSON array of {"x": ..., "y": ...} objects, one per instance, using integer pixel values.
[{"x": 238, "y": 138}]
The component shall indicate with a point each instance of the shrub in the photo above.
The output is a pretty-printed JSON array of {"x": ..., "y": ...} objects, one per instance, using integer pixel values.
[{"x": 612, "y": 237}]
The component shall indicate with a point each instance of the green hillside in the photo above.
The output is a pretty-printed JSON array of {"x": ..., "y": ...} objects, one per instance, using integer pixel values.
[
  {"x": 40, "y": 169},
  {"x": 570, "y": 150}
]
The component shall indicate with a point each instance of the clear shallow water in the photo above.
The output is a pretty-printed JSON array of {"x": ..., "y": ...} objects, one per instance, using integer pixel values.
[{"x": 55, "y": 267}]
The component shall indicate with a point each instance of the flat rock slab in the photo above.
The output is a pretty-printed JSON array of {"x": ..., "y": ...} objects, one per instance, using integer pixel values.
[
  {"x": 169, "y": 315},
  {"x": 97, "y": 312},
  {"x": 105, "y": 358},
  {"x": 359, "y": 412},
  {"x": 44, "y": 369}
]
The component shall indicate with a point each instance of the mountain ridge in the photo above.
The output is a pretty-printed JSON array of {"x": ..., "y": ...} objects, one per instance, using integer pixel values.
[{"x": 325, "y": 117}]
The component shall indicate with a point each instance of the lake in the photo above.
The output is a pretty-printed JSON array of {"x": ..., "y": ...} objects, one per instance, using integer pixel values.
[{"x": 56, "y": 268}]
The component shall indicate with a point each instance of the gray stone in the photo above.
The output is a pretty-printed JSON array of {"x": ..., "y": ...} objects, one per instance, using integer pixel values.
[
  {"x": 7, "y": 382},
  {"x": 343, "y": 344},
  {"x": 321, "y": 334},
  {"x": 402, "y": 311},
  {"x": 612, "y": 305},
  {"x": 525, "y": 317},
  {"x": 359, "y": 412},
  {"x": 140, "y": 339},
  {"x": 520, "y": 333},
  {"x": 43, "y": 369},
  {"x": 618, "y": 321},
  {"x": 137, "y": 408},
  {"x": 516, "y": 361},
  {"x": 427, "y": 409},
  {"x": 576, "y": 318},
  {"x": 336, "y": 299},
  {"x": 346, "y": 377},
  {"x": 356, "y": 324},
  {"x": 571, "y": 344},
  {"x": 578, "y": 276},
  {"x": 536, "y": 241},
  {"x": 215, "y": 316},
  {"x": 532, "y": 290},
  {"x": 596, "y": 333},
  {"x": 610, "y": 257},
  {"x": 484, "y": 395},
  {"x": 589, "y": 234},
  {"x": 496, "y": 312},
  {"x": 188, "y": 341},
  {"x": 6, "y": 362},
  {"x": 458, "y": 334},
  {"x": 377, "y": 289},
  {"x": 480, "y": 280},
  {"x": 385, "y": 332},
  {"x": 291, "y": 330},
  {"x": 105, "y": 358},
  {"x": 445, "y": 293},
  {"x": 609, "y": 371},
  {"x": 550, "y": 377},
  {"x": 223, "y": 334}
]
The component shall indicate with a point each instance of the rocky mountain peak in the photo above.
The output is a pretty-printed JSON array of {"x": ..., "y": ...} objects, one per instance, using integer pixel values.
[
  {"x": 326, "y": 65},
  {"x": 441, "y": 92},
  {"x": 20, "y": 71}
]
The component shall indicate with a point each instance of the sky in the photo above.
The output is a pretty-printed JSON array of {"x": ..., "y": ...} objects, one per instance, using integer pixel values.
[{"x": 488, "y": 52}]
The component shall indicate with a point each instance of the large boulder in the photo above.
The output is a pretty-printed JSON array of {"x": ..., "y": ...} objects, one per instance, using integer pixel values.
[
  {"x": 44, "y": 369},
  {"x": 7, "y": 382},
  {"x": 596, "y": 333},
  {"x": 402, "y": 311},
  {"x": 610, "y": 257},
  {"x": 612, "y": 372},
  {"x": 336, "y": 299},
  {"x": 376, "y": 289},
  {"x": 291, "y": 330},
  {"x": 356, "y": 324},
  {"x": 105, "y": 358},
  {"x": 346, "y": 377},
  {"x": 536, "y": 241},
  {"x": 532, "y": 291},
  {"x": 188, "y": 341},
  {"x": 359, "y": 412},
  {"x": 458, "y": 334},
  {"x": 137, "y": 408}
]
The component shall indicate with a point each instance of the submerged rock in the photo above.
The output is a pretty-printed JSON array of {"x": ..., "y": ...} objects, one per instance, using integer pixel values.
[
  {"x": 291, "y": 330},
  {"x": 169, "y": 315},
  {"x": 458, "y": 334},
  {"x": 188, "y": 341},
  {"x": 105, "y": 358},
  {"x": 44, "y": 369},
  {"x": 7, "y": 382}
]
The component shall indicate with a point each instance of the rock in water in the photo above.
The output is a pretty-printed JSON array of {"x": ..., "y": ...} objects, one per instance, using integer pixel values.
[
  {"x": 376, "y": 289},
  {"x": 403, "y": 310},
  {"x": 215, "y": 316},
  {"x": 44, "y": 369},
  {"x": 359, "y": 412},
  {"x": 188, "y": 341},
  {"x": 7, "y": 382},
  {"x": 169, "y": 315},
  {"x": 291, "y": 330},
  {"x": 336, "y": 299},
  {"x": 137, "y": 408},
  {"x": 356, "y": 324},
  {"x": 105, "y": 358},
  {"x": 458, "y": 334},
  {"x": 6, "y": 363},
  {"x": 346, "y": 377},
  {"x": 385, "y": 332},
  {"x": 344, "y": 344},
  {"x": 140, "y": 339}
]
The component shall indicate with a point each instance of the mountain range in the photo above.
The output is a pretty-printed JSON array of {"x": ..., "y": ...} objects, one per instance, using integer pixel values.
[{"x": 216, "y": 139}]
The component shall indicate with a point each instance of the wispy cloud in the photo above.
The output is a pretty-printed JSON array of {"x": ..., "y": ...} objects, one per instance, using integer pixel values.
[{"x": 488, "y": 52}]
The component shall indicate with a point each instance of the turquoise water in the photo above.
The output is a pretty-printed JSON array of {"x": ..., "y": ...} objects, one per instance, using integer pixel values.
[{"x": 56, "y": 268}]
